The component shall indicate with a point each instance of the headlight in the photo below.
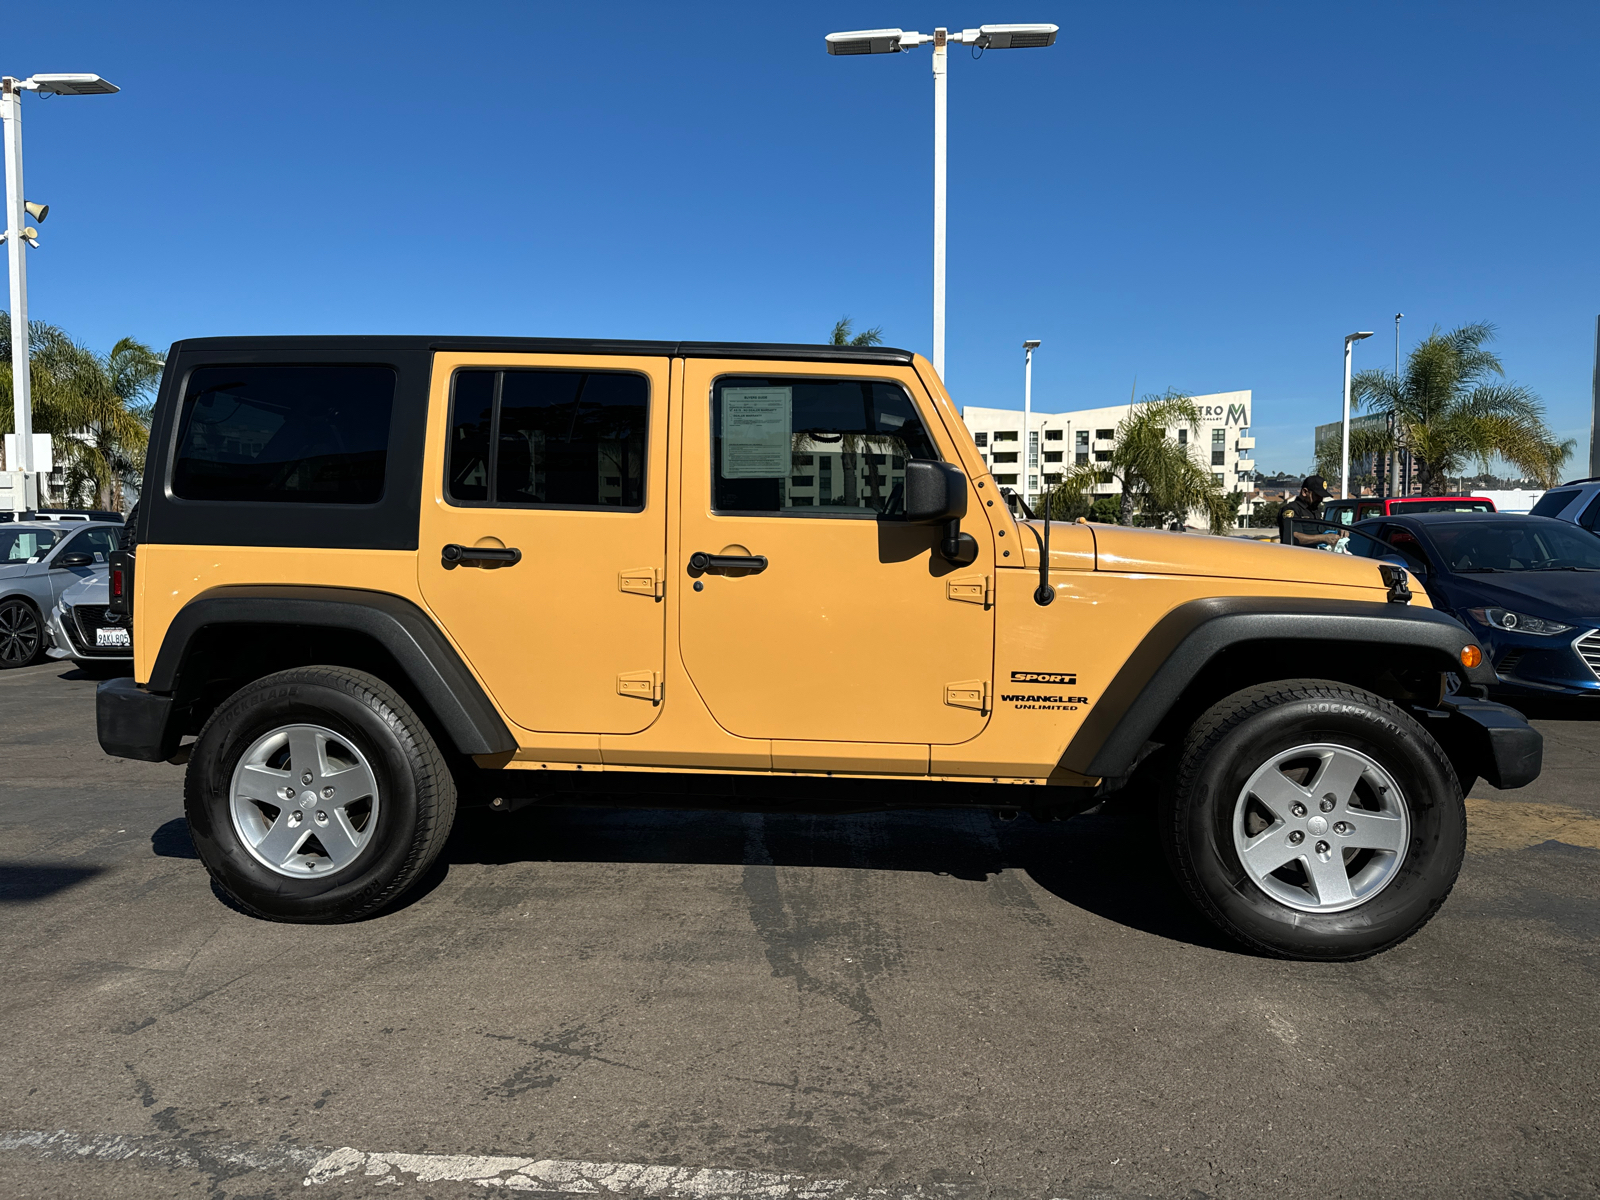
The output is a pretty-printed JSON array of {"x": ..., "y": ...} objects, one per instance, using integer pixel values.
[{"x": 1504, "y": 618}]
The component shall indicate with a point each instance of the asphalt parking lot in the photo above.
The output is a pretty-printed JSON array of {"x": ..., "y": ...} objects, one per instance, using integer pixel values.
[{"x": 706, "y": 1005}]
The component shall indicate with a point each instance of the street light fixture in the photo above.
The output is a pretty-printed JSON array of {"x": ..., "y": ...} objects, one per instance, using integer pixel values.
[
  {"x": 897, "y": 41},
  {"x": 1350, "y": 339},
  {"x": 19, "y": 232}
]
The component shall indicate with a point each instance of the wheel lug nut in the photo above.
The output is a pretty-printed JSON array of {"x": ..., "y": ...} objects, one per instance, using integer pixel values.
[
  {"x": 1327, "y": 803},
  {"x": 1298, "y": 809},
  {"x": 1296, "y": 838},
  {"x": 1343, "y": 827},
  {"x": 1322, "y": 847},
  {"x": 296, "y": 817},
  {"x": 288, "y": 793},
  {"x": 327, "y": 793},
  {"x": 306, "y": 777},
  {"x": 322, "y": 817}
]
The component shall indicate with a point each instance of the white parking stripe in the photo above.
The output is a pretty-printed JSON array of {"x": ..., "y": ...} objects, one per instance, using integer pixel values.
[
  {"x": 188, "y": 1152},
  {"x": 566, "y": 1176}
]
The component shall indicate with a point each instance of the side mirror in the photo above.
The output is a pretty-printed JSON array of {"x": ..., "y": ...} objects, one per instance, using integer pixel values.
[
  {"x": 936, "y": 494},
  {"x": 77, "y": 559}
]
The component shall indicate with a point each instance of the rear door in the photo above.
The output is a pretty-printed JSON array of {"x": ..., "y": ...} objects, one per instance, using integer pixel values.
[
  {"x": 561, "y": 459},
  {"x": 847, "y": 627}
]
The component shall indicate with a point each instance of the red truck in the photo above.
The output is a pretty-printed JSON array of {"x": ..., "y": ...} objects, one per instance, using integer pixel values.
[{"x": 1348, "y": 512}]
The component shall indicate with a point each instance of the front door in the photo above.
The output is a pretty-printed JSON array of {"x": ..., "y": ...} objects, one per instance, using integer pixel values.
[
  {"x": 556, "y": 462},
  {"x": 851, "y": 631}
]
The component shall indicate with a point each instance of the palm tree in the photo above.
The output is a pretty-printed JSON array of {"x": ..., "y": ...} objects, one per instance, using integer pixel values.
[
  {"x": 1153, "y": 469},
  {"x": 842, "y": 334},
  {"x": 96, "y": 407},
  {"x": 1450, "y": 406}
]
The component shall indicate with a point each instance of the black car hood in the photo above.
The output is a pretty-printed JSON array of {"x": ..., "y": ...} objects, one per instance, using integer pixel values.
[{"x": 1569, "y": 596}]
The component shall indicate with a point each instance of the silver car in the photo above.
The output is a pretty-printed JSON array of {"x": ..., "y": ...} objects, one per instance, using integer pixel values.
[
  {"x": 39, "y": 561},
  {"x": 1578, "y": 502},
  {"x": 81, "y": 629}
]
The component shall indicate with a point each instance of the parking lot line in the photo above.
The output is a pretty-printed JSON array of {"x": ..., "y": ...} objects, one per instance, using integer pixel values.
[{"x": 515, "y": 1173}]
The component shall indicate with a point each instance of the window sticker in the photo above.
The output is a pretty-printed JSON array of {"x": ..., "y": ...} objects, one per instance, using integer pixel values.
[{"x": 756, "y": 432}]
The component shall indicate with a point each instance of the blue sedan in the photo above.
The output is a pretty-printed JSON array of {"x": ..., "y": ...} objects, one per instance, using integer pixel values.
[{"x": 1527, "y": 587}]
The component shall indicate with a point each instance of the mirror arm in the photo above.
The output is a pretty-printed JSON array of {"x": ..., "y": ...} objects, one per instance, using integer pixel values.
[{"x": 957, "y": 547}]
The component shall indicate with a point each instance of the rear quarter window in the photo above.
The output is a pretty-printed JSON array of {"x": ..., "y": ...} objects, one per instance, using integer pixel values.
[
  {"x": 1551, "y": 503},
  {"x": 281, "y": 434}
]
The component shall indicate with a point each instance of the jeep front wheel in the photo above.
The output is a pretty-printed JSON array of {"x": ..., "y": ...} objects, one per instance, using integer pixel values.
[
  {"x": 317, "y": 795},
  {"x": 1313, "y": 820}
]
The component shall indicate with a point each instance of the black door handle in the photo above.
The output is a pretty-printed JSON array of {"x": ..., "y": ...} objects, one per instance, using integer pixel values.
[
  {"x": 455, "y": 556},
  {"x": 701, "y": 561}
]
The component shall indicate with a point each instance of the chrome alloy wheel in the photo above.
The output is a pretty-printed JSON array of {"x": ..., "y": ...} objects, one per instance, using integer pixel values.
[
  {"x": 304, "y": 801},
  {"x": 1321, "y": 828}
]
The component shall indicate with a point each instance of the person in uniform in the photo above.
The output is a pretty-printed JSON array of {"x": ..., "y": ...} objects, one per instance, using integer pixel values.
[{"x": 1307, "y": 506}]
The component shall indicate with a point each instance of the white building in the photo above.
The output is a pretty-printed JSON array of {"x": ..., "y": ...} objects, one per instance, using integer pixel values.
[{"x": 1058, "y": 441}]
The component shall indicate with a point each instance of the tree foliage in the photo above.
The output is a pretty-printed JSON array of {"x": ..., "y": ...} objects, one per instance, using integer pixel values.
[
  {"x": 1160, "y": 480},
  {"x": 96, "y": 407},
  {"x": 1451, "y": 406},
  {"x": 844, "y": 334}
]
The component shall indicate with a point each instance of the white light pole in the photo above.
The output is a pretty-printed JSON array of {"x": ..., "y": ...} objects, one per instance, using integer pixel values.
[
  {"x": 895, "y": 41},
  {"x": 1350, "y": 339},
  {"x": 17, "y": 236},
  {"x": 1029, "y": 460}
]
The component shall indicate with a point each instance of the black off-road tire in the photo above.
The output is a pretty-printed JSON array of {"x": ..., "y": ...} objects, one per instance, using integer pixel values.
[
  {"x": 1244, "y": 732},
  {"x": 414, "y": 816}
]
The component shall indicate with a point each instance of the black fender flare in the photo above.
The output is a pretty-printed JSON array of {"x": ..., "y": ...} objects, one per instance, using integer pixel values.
[
  {"x": 1188, "y": 638},
  {"x": 410, "y": 636}
]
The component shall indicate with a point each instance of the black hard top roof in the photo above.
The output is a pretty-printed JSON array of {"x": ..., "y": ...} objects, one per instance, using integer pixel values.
[{"x": 794, "y": 352}]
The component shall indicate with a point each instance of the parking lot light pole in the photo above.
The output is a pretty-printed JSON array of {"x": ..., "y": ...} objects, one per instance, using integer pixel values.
[
  {"x": 1350, "y": 339},
  {"x": 896, "y": 41},
  {"x": 18, "y": 236},
  {"x": 1029, "y": 463}
]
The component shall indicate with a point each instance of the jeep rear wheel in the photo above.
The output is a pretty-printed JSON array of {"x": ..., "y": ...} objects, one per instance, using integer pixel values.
[
  {"x": 1313, "y": 820},
  {"x": 317, "y": 795}
]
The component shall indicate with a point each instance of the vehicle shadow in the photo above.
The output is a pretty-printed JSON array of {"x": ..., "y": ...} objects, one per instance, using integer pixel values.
[
  {"x": 98, "y": 671},
  {"x": 1106, "y": 862},
  {"x": 172, "y": 840},
  {"x": 22, "y": 882}
]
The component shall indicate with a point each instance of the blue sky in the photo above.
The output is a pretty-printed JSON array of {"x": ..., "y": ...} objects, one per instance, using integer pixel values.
[{"x": 1202, "y": 196}]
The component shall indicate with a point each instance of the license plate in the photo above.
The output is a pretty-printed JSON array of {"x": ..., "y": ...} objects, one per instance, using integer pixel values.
[{"x": 112, "y": 637}]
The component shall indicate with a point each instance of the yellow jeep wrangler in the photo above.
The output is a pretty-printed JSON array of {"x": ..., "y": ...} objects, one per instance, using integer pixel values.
[{"x": 377, "y": 576}]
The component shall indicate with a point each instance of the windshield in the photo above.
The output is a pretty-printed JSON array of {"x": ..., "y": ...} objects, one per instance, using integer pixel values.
[
  {"x": 1531, "y": 545},
  {"x": 26, "y": 545}
]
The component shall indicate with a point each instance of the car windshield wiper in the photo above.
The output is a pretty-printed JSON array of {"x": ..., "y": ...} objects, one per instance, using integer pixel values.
[
  {"x": 1473, "y": 570},
  {"x": 1562, "y": 568}
]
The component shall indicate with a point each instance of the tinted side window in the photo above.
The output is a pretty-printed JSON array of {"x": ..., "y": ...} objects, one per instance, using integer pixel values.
[
  {"x": 560, "y": 439},
  {"x": 1551, "y": 503},
  {"x": 25, "y": 545},
  {"x": 284, "y": 434},
  {"x": 810, "y": 447},
  {"x": 1406, "y": 543},
  {"x": 98, "y": 542},
  {"x": 1591, "y": 515}
]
